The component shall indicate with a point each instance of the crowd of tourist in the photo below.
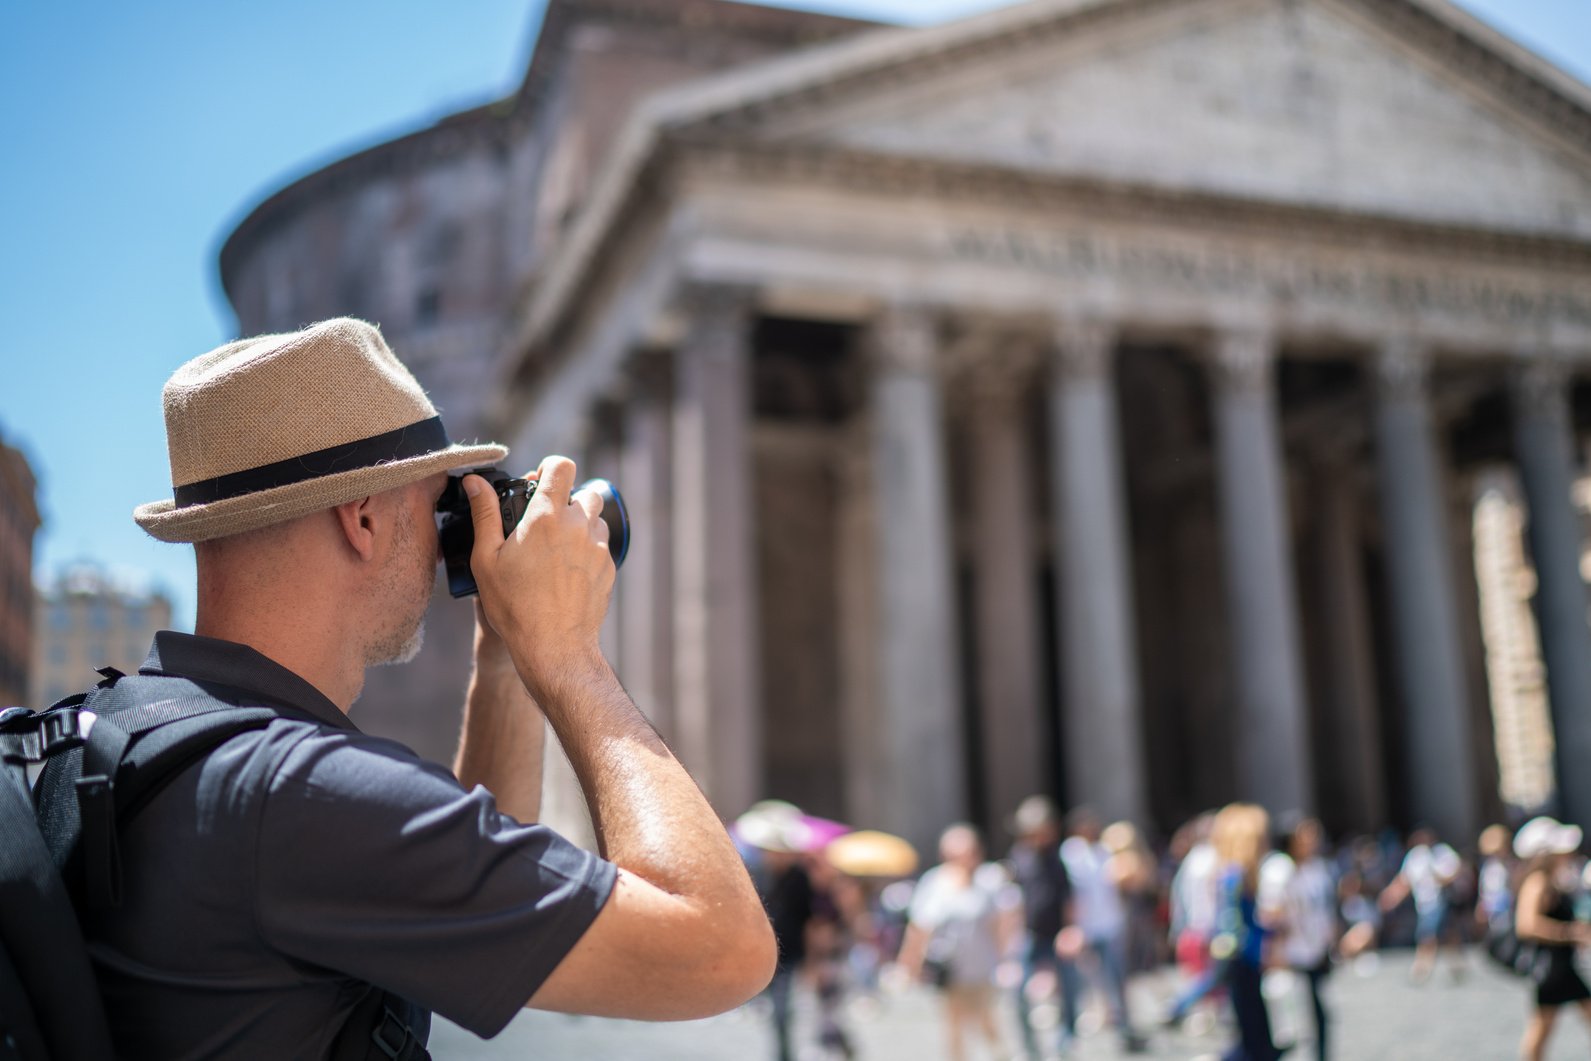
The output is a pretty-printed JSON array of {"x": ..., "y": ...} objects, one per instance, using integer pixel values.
[{"x": 1077, "y": 908}]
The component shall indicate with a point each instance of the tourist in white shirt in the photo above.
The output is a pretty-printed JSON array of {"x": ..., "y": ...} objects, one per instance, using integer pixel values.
[
  {"x": 1429, "y": 868},
  {"x": 1298, "y": 897},
  {"x": 964, "y": 920},
  {"x": 1101, "y": 917}
]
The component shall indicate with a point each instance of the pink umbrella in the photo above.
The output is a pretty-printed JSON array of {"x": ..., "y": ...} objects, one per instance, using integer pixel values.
[{"x": 821, "y": 831}]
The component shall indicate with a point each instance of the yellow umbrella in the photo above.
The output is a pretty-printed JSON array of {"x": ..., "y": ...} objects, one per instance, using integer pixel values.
[{"x": 869, "y": 853}]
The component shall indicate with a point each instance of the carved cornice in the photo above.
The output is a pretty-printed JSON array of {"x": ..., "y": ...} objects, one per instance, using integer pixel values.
[
  {"x": 1558, "y": 112},
  {"x": 849, "y": 168}
]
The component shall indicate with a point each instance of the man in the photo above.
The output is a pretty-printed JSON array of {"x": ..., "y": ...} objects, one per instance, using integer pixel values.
[
  {"x": 1298, "y": 897},
  {"x": 1035, "y": 861},
  {"x": 1102, "y": 917},
  {"x": 267, "y": 886},
  {"x": 1429, "y": 870},
  {"x": 778, "y": 838}
]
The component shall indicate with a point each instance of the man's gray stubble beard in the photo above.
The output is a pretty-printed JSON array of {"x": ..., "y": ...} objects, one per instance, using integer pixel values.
[{"x": 406, "y": 651}]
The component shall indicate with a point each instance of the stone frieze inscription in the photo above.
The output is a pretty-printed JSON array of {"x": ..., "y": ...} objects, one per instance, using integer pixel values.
[{"x": 1236, "y": 271}]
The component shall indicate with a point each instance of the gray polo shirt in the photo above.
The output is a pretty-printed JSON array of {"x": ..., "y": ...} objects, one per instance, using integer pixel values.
[{"x": 265, "y": 887}]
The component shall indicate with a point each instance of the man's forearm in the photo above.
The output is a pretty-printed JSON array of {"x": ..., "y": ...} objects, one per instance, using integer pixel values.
[
  {"x": 503, "y": 740},
  {"x": 649, "y": 815}
]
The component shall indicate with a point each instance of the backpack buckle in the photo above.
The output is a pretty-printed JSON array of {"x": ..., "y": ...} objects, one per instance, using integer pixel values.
[
  {"x": 36, "y": 737},
  {"x": 391, "y": 1035}
]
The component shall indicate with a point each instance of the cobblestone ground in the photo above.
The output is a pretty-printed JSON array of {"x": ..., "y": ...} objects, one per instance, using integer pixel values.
[{"x": 1379, "y": 1016}]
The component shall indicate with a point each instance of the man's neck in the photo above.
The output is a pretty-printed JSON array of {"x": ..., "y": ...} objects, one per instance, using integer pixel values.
[{"x": 310, "y": 649}]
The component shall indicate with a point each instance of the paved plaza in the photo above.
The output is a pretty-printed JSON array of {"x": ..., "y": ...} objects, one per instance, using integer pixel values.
[{"x": 1380, "y": 1016}]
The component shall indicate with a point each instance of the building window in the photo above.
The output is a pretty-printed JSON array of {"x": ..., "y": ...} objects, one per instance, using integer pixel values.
[{"x": 60, "y": 617}]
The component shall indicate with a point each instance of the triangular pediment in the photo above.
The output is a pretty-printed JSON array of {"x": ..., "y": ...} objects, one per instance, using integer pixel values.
[{"x": 1319, "y": 102}]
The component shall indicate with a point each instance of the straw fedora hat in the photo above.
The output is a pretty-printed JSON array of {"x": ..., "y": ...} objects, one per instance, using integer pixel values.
[{"x": 268, "y": 429}]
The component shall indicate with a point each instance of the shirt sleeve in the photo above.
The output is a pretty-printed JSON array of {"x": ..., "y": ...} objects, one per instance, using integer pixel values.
[
  {"x": 378, "y": 865},
  {"x": 925, "y": 911}
]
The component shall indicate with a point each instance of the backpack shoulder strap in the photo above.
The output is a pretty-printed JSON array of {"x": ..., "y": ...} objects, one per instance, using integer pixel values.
[
  {"x": 49, "y": 1000},
  {"x": 141, "y": 733}
]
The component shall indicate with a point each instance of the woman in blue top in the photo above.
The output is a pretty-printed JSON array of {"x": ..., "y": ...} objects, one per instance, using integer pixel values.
[{"x": 1240, "y": 837}]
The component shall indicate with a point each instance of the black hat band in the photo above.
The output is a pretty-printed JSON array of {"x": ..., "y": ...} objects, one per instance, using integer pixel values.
[{"x": 415, "y": 440}]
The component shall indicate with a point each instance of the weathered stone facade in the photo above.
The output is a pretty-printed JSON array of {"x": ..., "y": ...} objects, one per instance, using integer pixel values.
[
  {"x": 1077, "y": 396},
  {"x": 19, "y": 523}
]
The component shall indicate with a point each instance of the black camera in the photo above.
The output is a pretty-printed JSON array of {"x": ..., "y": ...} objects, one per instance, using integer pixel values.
[{"x": 513, "y": 496}]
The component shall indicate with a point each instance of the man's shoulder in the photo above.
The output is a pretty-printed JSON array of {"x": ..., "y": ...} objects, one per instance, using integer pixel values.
[{"x": 293, "y": 758}]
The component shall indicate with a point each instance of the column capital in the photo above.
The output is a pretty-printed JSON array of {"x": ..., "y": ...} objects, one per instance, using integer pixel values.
[
  {"x": 1540, "y": 389},
  {"x": 1243, "y": 360},
  {"x": 1082, "y": 348},
  {"x": 698, "y": 298},
  {"x": 717, "y": 319},
  {"x": 1000, "y": 371},
  {"x": 905, "y": 338},
  {"x": 1403, "y": 370}
]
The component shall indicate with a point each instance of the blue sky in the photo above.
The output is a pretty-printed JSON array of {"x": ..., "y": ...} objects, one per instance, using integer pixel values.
[{"x": 136, "y": 135}]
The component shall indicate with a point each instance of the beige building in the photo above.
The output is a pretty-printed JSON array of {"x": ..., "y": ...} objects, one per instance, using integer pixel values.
[
  {"x": 19, "y": 522},
  {"x": 1084, "y": 396},
  {"x": 86, "y": 621}
]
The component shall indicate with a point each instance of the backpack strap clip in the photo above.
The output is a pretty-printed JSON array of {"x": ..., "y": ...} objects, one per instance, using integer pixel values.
[
  {"x": 394, "y": 1038},
  {"x": 36, "y": 736},
  {"x": 103, "y": 752}
]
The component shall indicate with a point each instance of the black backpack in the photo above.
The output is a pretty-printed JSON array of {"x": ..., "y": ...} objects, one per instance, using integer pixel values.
[{"x": 106, "y": 754}]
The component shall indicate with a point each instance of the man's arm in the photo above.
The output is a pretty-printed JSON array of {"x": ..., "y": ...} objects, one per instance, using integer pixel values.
[
  {"x": 504, "y": 735},
  {"x": 683, "y": 934}
]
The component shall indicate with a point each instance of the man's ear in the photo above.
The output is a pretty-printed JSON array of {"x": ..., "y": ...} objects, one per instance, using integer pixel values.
[{"x": 357, "y": 521}]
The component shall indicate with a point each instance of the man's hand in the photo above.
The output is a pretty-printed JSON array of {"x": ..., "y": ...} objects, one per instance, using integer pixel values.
[{"x": 546, "y": 587}]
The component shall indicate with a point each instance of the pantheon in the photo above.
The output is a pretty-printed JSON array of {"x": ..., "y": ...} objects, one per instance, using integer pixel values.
[{"x": 1087, "y": 396}]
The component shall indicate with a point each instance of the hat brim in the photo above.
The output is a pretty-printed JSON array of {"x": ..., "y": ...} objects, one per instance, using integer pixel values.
[{"x": 235, "y": 515}]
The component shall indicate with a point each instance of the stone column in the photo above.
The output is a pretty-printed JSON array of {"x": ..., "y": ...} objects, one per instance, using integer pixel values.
[
  {"x": 1272, "y": 721},
  {"x": 645, "y": 583},
  {"x": 1543, "y": 444},
  {"x": 1356, "y": 784},
  {"x": 859, "y": 543},
  {"x": 717, "y": 710},
  {"x": 1006, "y": 611},
  {"x": 919, "y": 674},
  {"x": 1430, "y": 662},
  {"x": 1101, "y": 723}
]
